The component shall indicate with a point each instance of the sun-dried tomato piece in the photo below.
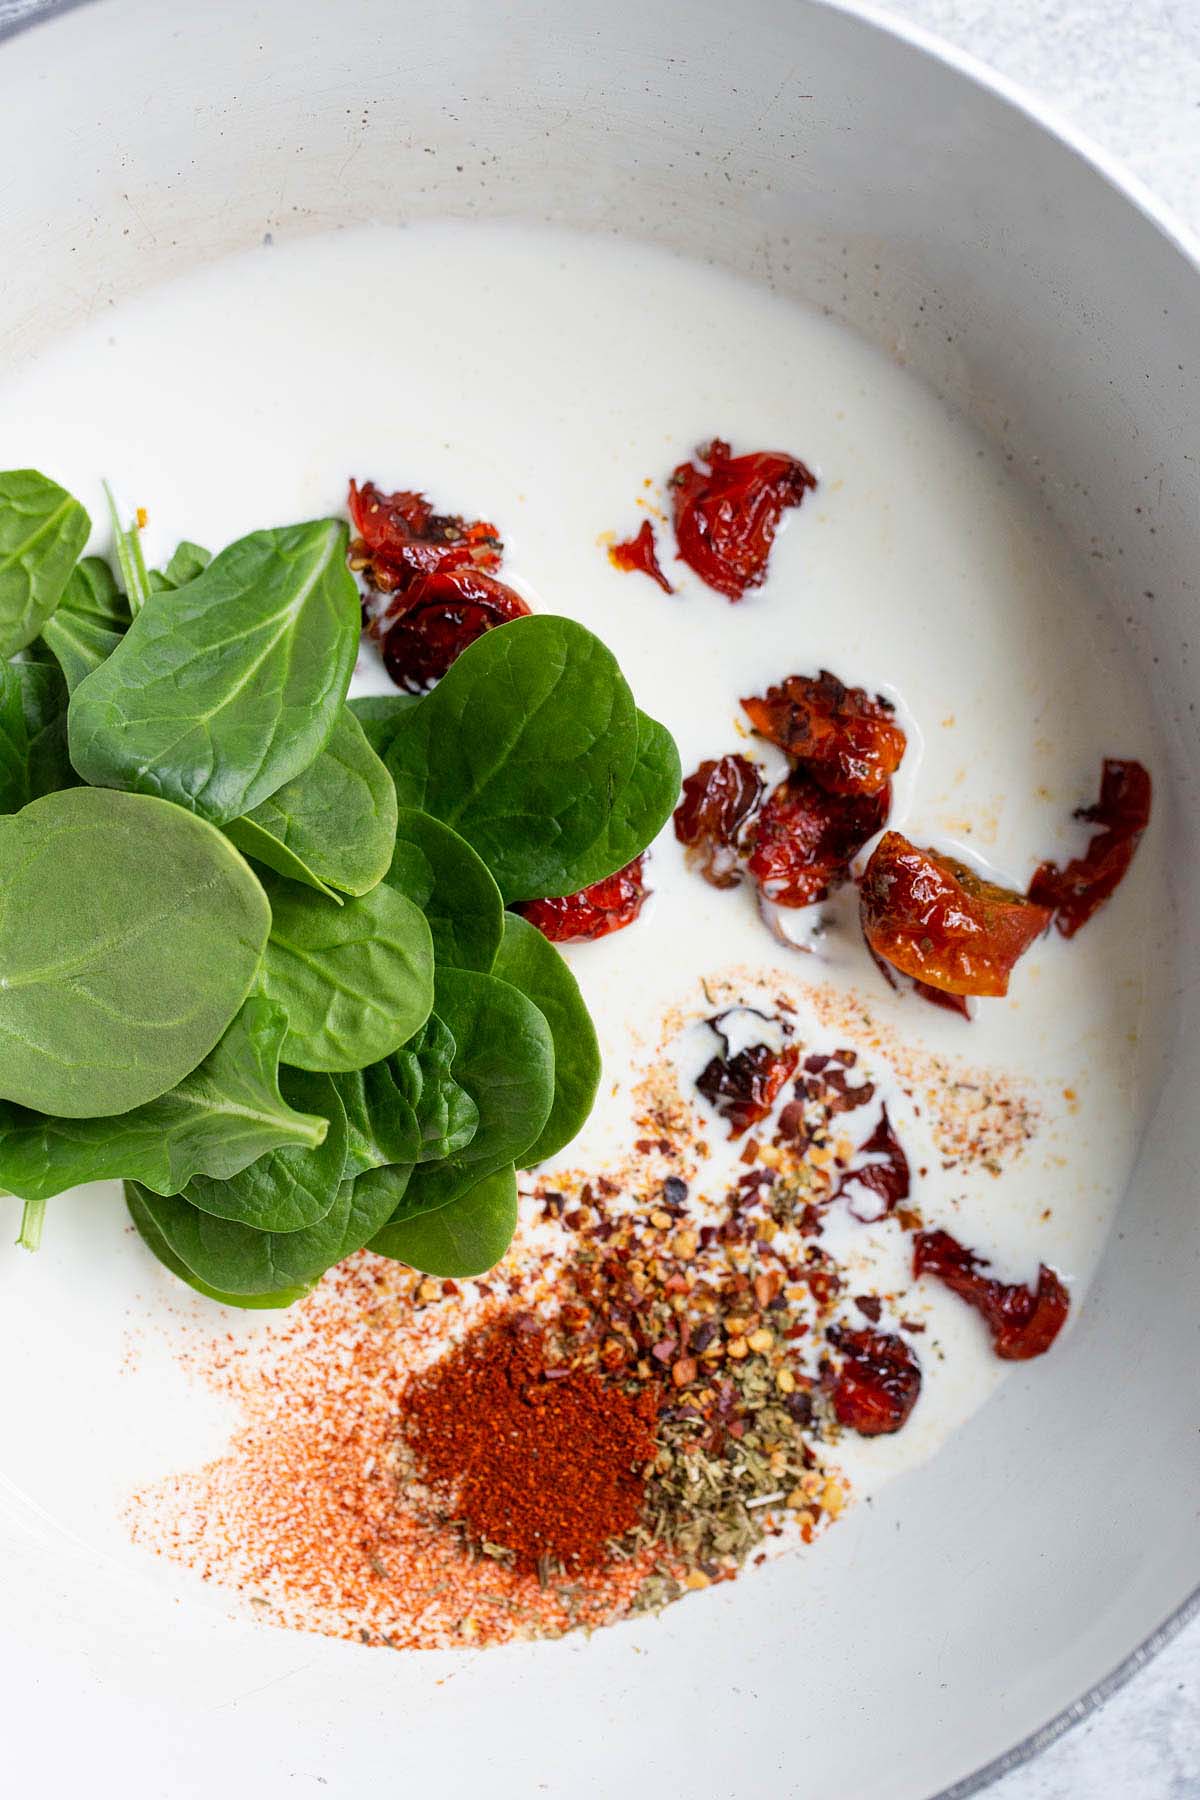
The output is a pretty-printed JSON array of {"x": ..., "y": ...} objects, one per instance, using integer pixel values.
[
  {"x": 876, "y": 1187},
  {"x": 935, "y": 919},
  {"x": 878, "y": 1383},
  {"x": 744, "y": 1088},
  {"x": 637, "y": 555},
  {"x": 1123, "y": 813},
  {"x": 955, "y": 1003},
  {"x": 717, "y": 801},
  {"x": 726, "y": 515},
  {"x": 399, "y": 537},
  {"x": 841, "y": 737},
  {"x": 1024, "y": 1322},
  {"x": 804, "y": 839},
  {"x": 593, "y": 912},
  {"x": 436, "y": 617}
]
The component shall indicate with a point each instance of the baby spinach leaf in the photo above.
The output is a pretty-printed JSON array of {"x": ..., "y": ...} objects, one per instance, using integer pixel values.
[
  {"x": 440, "y": 873},
  {"x": 157, "y": 1244},
  {"x": 504, "y": 1058},
  {"x": 407, "y": 1108},
  {"x": 33, "y": 734},
  {"x": 220, "y": 693},
  {"x": 127, "y": 547},
  {"x": 224, "y": 1115},
  {"x": 532, "y": 964},
  {"x": 522, "y": 747},
  {"x": 130, "y": 934},
  {"x": 642, "y": 807},
  {"x": 91, "y": 620},
  {"x": 447, "y": 1117},
  {"x": 334, "y": 825},
  {"x": 187, "y": 561},
  {"x": 377, "y": 714},
  {"x": 290, "y": 1188},
  {"x": 467, "y": 1237},
  {"x": 42, "y": 532},
  {"x": 237, "y": 1260},
  {"x": 355, "y": 981}
]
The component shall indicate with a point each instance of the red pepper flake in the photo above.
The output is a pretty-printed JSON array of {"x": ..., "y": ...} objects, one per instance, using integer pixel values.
[
  {"x": 935, "y": 919},
  {"x": 545, "y": 1469},
  {"x": 638, "y": 555},
  {"x": 878, "y": 1383},
  {"x": 743, "y": 1088},
  {"x": 436, "y": 617},
  {"x": 804, "y": 839},
  {"x": 726, "y": 515},
  {"x": 1122, "y": 813},
  {"x": 877, "y": 1187},
  {"x": 399, "y": 537},
  {"x": 595, "y": 911},
  {"x": 843, "y": 740},
  {"x": 718, "y": 799},
  {"x": 1024, "y": 1322}
]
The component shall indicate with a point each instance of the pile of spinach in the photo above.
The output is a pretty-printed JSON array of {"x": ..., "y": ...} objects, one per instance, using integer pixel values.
[{"x": 255, "y": 957}]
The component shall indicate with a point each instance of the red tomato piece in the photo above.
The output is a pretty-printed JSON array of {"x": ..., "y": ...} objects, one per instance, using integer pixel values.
[
  {"x": 1122, "y": 813},
  {"x": 595, "y": 911},
  {"x": 717, "y": 801},
  {"x": 935, "y": 919},
  {"x": 399, "y": 537},
  {"x": 743, "y": 1088},
  {"x": 434, "y": 619},
  {"x": 877, "y": 1186},
  {"x": 1024, "y": 1322},
  {"x": 638, "y": 554},
  {"x": 726, "y": 514},
  {"x": 844, "y": 740},
  {"x": 804, "y": 839},
  {"x": 878, "y": 1383}
]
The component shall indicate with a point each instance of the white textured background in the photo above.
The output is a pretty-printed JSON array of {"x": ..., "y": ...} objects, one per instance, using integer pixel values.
[{"x": 1128, "y": 72}]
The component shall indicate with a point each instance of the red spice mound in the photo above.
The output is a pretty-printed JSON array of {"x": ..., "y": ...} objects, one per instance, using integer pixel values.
[
  {"x": 607, "y": 905},
  {"x": 878, "y": 1383},
  {"x": 876, "y": 1187},
  {"x": 804, "y": 839},
  {"x": 935, "y": 919},
  {"x": 726, "y": 515},
  {"x": 637, "y": 555},
  {"x": 743, "y": 1088},
  {"x": 1123, "y": 813},
  {"x": 717, "y": 801},
  {"x": 844, "y": 740},
  {"x": 1023, "y": 1322},
  {"x": 436, "y": 617},
  {"x": 399, "y": 536},
  {"x": 545, "y": 1468}
]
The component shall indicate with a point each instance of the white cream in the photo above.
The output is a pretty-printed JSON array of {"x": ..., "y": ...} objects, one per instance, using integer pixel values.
[{"x": 536, "y": 379}]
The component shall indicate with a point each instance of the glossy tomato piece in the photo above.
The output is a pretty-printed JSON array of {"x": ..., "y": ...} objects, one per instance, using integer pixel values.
[
  {"x": 744, "y": 1088},
  {"x": 878, "y": 1383},
  {"x": 1024, "y": 1322},
  {"x": 843, "y": 739},
  {"x": 726, "y": 514},
  {"x": 399, "y": 537},
  {"x": 882, "y": 1179},
  {"x": 802, "y": 843},
  {"x": 638, "y": 555},
  {"x": 935, "y": 919},
  {"x": 718, "y": 799},
  {"x": 1122, "y": 812},
  {"x": 595, "y": 911},
  {"x": 432, "y": 621}
]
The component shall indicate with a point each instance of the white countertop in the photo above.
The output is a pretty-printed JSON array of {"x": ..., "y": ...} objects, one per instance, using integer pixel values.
[{"x": 1128, "y": 72}]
